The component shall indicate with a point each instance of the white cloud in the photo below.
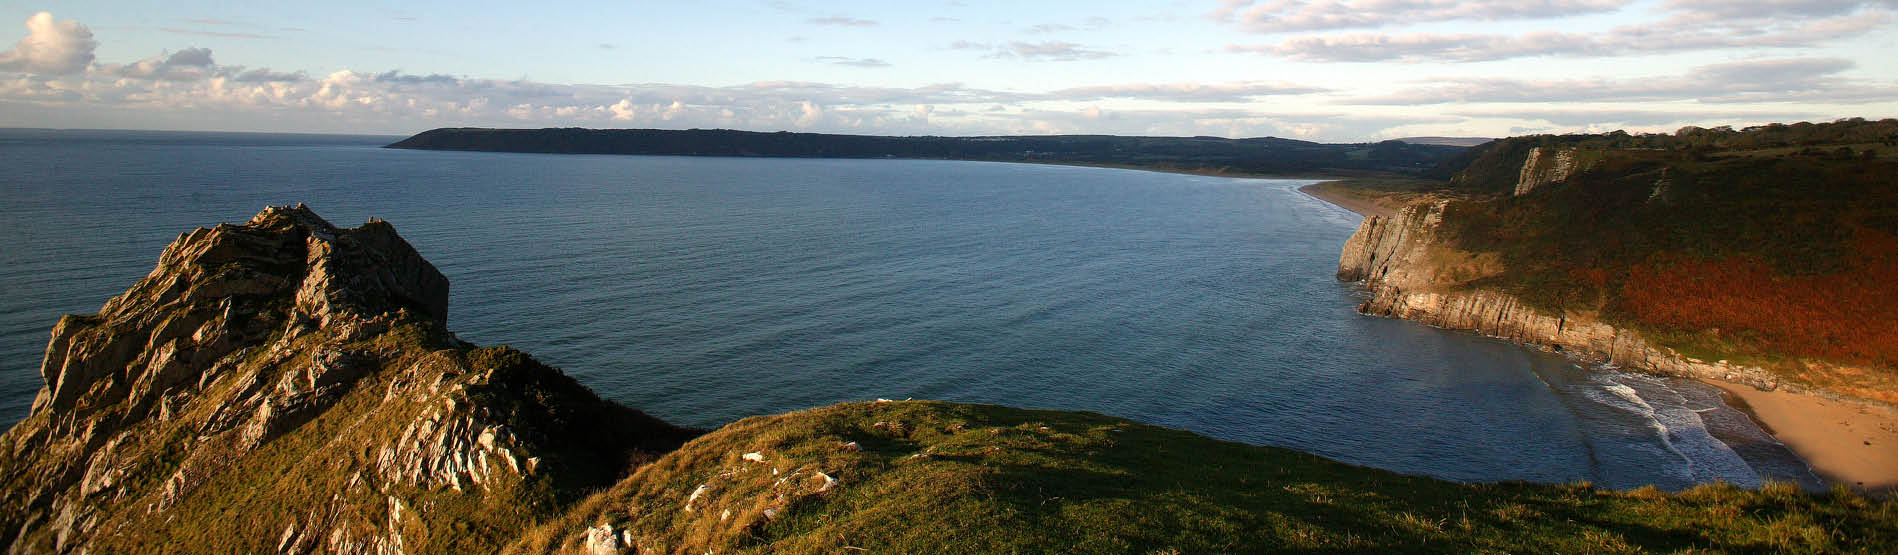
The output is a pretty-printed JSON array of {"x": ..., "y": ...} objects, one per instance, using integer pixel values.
[
  {"x": 50, "y": 47},
  {"x": 1277, "y": 16},
  {"x": 1760, "y": 81},
  {"x": 841, "y": 21},
  {"x": 1052, "y": 50},
  {"x": 852, "y": 62},
  {"x": 1186, "y": 92},
  {"x": 1690, "y": 25}
]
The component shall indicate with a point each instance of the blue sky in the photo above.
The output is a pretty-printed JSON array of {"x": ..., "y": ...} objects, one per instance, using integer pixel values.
[{"x": 1332, "y": 70}]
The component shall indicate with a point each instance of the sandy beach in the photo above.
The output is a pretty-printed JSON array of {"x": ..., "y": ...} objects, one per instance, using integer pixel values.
[
  {"x": 1365, "y": 203},
  {"x": 1845, "y": 442}
]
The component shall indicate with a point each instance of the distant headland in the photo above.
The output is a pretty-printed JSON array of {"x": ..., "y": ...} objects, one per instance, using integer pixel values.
[{"x": 1261, "y": 156}]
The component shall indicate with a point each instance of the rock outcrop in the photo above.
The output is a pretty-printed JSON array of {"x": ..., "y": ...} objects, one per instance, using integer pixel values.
[
  {"x": 299, "y": 375},
  {"x": 1412, "y": 273},
  {"x": 1547, "y": 165}
]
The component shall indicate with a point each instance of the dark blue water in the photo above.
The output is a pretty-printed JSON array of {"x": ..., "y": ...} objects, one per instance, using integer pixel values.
[{"x": 703, "y": 290}]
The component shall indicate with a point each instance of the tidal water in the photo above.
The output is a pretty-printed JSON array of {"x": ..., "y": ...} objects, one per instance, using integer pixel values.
[{"x": 703, "y": 290}]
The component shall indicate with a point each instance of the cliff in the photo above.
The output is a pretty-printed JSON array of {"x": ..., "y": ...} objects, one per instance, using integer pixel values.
[
  {"x": 288, "y": 386},
  {"x": 1414, "y": 272},
  {"x": 1760, "y": 255}
]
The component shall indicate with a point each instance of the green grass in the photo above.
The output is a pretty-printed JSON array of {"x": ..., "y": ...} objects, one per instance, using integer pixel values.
[{"x": 941, "y": 477}]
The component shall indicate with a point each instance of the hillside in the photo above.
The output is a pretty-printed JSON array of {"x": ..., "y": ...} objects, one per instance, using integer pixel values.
[
  {"x": 286, "y": 385},
  {"x": 1770, "y": 247},
  {"x": 1256, "y": 156}
]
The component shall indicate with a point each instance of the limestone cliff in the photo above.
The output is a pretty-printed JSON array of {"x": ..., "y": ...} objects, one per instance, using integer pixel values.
[
  {"x": 288, "y": 385},
  {"x": 1412, "y": 273},
  {"x": 1547, "y": 165}
]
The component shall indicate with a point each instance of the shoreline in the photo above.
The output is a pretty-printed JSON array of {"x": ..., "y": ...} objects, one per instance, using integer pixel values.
[
  {"x": 1360, "y": 207},
  {"x": 1843, "y": 442}
]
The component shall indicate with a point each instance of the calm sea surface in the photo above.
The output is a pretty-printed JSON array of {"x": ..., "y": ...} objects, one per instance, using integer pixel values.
[{"x": 703, "y": 290}]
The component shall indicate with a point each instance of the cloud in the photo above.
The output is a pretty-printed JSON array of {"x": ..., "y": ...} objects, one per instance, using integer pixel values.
[
  {"x": 1682, "y": 25},
  {"x": 1759, "y": 81},
  {"x": 840, "y": 21},
  {"x": 1047, "y": 51},
  {"x": 190, "y": 86},
  {"x": 852, "y": 62},
  {"x": 1278, "y": 16},
  {"x": 1632, "y": 39},
  {"x": 190, "y": 64},
  {"x": 1720, "y": 10},
  {"x": 50, "y": 47},
  {"x": 1186, "y": 92},
  {"x": 220, "y": 34},
  {"x": 1574, "y": 118},
  {"x": 1048, "y": 28}
]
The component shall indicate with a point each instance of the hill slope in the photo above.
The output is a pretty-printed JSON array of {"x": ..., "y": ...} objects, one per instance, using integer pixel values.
[
  {"x": 1262, "y": 156},
  {"x": 1769, "y": 248}
]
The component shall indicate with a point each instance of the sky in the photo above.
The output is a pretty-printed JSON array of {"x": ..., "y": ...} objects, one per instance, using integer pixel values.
[{"x": 1325, "y": 70}]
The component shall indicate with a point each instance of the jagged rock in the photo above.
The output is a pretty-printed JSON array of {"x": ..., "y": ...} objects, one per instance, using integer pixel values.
[
  {"x": 1546, "y": 165},
  {"x": 696, "y": 494},
  {"x": 603, "y": 540},
  {"x": 295, "y": 372}
]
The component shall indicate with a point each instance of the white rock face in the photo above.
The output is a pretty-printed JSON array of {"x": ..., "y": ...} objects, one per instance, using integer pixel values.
[
  {"x": 603, "y": 540},
  {"x": 1547, "y": 165}
]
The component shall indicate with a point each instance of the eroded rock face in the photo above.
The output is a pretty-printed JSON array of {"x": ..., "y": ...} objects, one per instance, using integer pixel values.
[
  {"x": 1413, "y": 274},
  {"x": 302, "y": 375},
  {"x": 1546, "y": 165}
]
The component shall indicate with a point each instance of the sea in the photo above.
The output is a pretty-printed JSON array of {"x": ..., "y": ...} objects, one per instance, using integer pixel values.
[{"x": 703, "y": 290}]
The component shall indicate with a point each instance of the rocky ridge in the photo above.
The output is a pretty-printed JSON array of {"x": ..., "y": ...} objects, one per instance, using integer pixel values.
[
  {"x": 1413, "y": 273},
  {"x": 247, "y": 373}
]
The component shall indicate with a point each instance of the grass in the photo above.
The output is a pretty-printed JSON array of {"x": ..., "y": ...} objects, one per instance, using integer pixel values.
[
  {"x": 941, "y": 477},
  {"x": 1766, "y": 247}
]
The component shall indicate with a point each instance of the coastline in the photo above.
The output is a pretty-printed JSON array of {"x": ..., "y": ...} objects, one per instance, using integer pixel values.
[
  {"x": 1844, "y": 442},
  {"x": 1359, "y": 206}
]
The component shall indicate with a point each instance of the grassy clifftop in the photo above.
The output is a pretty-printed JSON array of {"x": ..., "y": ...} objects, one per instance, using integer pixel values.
[
  {"x": 921, "y": 477},
  {"x": 1773, "y": 246}
]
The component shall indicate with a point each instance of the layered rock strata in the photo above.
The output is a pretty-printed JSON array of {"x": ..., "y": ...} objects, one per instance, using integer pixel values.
[
  {"x": 287, "y": 385},
  {"x": 1412, "y": 273}
]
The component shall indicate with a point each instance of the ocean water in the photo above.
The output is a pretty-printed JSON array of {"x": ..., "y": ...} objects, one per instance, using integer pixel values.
[{"x": 703, "y": 290}]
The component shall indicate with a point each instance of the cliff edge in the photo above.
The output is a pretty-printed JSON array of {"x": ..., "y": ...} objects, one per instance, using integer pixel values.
[
  {"x": 1414, "y": 272},
  {"x": 1759, "y": 256}
]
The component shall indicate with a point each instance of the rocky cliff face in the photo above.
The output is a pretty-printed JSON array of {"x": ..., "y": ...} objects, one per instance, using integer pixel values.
[
  {"x": 1547, "y": 165},
  {"x": 286, "y": 385},
  {"x": 1413, "y": 274}
]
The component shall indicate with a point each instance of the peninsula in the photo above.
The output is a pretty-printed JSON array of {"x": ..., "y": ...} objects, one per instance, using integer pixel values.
[{"x": 1214, "y": 155}]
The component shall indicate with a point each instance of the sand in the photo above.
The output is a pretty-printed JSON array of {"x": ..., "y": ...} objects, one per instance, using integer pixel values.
[
  {"x": 1845, "y": 442},
  {"x": 1362, "y": 206}
]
